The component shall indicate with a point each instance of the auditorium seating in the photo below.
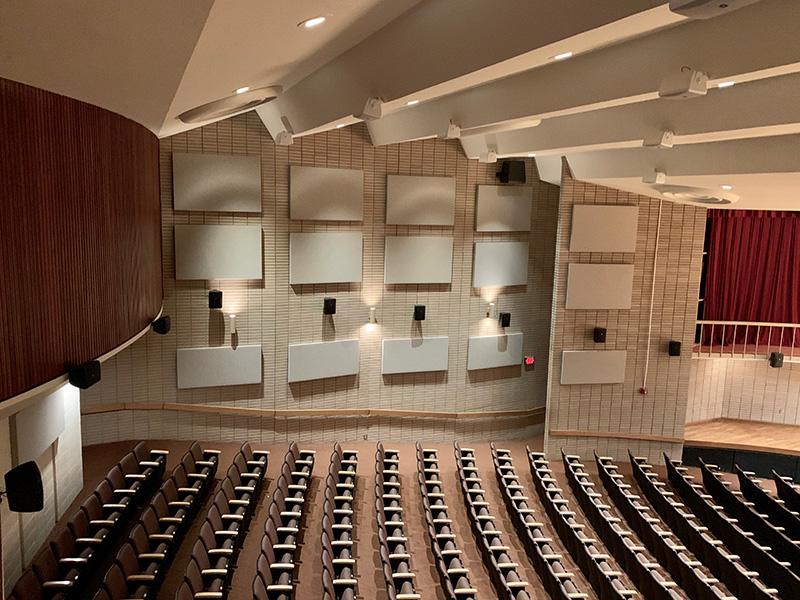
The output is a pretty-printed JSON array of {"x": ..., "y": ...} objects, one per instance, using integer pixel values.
[
  {"x": 338, "y": 565},
  {"x": 776, "y": 511},
  {"x": 496, "y": 554},
  {"x": 453, "y": 574},
  {"x": 279, "y": 550},
  {"x": 675, "y": 557},
  {"x": 788, "y": 491},
  {"x": 646, "y": 574},
  {"x": 722, "y": 561},
  {"x": 585, "y": 550},
  {"x": 393, "y": 543},
  {"x": 558, "y": 580}
]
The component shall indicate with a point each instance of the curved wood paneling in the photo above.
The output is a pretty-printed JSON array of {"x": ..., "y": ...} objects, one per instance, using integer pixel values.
[{"x": 80, "y": 234}]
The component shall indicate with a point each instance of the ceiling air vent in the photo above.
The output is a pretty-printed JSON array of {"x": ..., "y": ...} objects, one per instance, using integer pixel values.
[
  {"x": 686, "y": 194},
  {"x": 224, "y": 107}
]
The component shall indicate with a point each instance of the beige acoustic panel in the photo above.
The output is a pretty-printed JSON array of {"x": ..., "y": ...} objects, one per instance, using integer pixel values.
[
  {"x": 418, "y": 260},
  {"x": 414, "y": 355},
  {"x": 216, "y": 182},
  {"x": 491, "y": 351},
  {"x": 599, "y": 286},
  {"x": 319, "y": 360},
  {"x": 604, "y": 228},
  {"x": 593, "y": 366},
  {"x": 324, "y": 257},
  {"x": 412, "y": 200},
  {"x": 40, "y": 423},
  {"x": 322, "y": 194},
  {"x": 218, "y": 252},
  {"x": 500, "y": 264},
  {"x": 503, "y": 208},
  {"x": 218, "y": 366}
]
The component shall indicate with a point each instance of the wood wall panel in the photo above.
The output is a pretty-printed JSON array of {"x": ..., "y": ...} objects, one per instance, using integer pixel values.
[{"x": 80, "y": 234}]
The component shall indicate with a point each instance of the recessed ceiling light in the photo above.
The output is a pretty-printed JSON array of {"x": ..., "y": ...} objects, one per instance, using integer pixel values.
[
  {"x": 726, "y": 187},
  {"x": 532, "y": 155},
  {"x": 340, "y": 125},
  {"x": 725, "y": 84},
  {"x": 412, "y": 102},
  {"x": 562, "y": 56},
  {"x": 242, "y": 90},
  {"x": 313, "y": 22}
]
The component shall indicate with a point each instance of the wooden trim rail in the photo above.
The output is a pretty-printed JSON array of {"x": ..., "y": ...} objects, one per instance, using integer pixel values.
[{"x": 617, "y": 435}]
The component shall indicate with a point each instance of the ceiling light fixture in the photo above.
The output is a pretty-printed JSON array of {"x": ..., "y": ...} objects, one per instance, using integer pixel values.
[
  {"x": 412, "y": 102},
  {"x": 340, "y": 125},
  {"x": 562, "y": 56},
  {"x": 726, "y": 187},
  {"x": 225, "y": 107},
  {"x": 725, "y": 84},
  {"x": 242, "y": 90},
  {"x": 312, "y": 22},
  {"x": 532, "y": 154}
]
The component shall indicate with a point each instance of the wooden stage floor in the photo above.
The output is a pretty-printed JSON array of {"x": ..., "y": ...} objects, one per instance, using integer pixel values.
[{"x": 744, "y": 435}]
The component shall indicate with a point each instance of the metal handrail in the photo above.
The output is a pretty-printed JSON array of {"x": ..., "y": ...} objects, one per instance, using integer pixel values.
[{"x": 746, "y": 339}]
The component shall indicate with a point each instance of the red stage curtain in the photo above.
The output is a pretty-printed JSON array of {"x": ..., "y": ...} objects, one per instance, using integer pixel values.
[{"x": 753, "y": 274}]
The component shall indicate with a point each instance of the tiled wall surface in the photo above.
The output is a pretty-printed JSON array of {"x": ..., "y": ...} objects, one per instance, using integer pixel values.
[
  {"x": 744, "y": 389},
  {"x": 619, "y": 407},
  {"x": 274, "y": 314}
]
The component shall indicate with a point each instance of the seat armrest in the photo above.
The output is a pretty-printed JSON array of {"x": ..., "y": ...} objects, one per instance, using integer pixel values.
[
  {"x": 149, "y": 463},
  {"x": 141, "y": 578},
  {"x": 152, "y": 556}
]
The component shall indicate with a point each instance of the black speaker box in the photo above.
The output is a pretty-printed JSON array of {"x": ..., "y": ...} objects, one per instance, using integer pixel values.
[
  {"x": 85, "y": 375},
  {"x": 776, "y": 360},
  {"x": 24, "y": 488},
  {"x": 512, "y": 171},
  {"x": 419, "y": 312},
  {"x": 674, "y": 348},
  {"x": 599, "y": 335},
  {"x": 162, "y": 325},
  {"x": 505, "y": 319},
  {"x": 215, "y": 299},
  {"x": 329, "y": 306}
]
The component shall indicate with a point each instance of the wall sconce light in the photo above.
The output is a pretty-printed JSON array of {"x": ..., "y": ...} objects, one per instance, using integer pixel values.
[
  {"x": 329, "y": 306},
  {"x": 372, "y": 318},
  {"x": 419, "y": 312},
  {"x": 490, "y": 312},
  {"x": 215, "y": 299},
  {"x": 233, "y": 324},
  {"x": 505, "y": 319}
]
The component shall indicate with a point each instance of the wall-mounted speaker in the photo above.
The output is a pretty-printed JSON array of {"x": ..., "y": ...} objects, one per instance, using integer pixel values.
[
  {"x": 419, "y": 312},
  {"x": 24, "y": 488},
  {"x": 512, "y": 171},
  {"x": 674, "y": 348},
  {"x": 215, "y": 299},
  {"x": 329, "y": 306},
  {"x": 162, "y": 325},
  {"x": 776, "y": 360},
  {"x": 599, "y": 335},
  {"x": 86, "y": 375},
  {"x": 505, "y": 319}
]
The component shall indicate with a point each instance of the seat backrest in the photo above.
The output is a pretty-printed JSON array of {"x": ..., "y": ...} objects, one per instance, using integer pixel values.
[
  {"x": 294, "y": 449},
  {"x": 179, "y": 475},
  {"x": 129, "y": 464},
  {"x": 247, "y": 451},
  {"x": 45, "y": 565},
  {"x": 221, "y": 502},
  {"x": 226, "y": 487},
  {"x": 115, "y": 583},
  {"x": 159, "y": 504},
  {"x": 101, "y": 594},
  {"x": 259, "y": 589},
  {"x": 187, "y": 460},
  {"x": 79, "y": 525},
  {"x": 196, "y": 451},
  {"x": 116, "y": 479},
  {"x": 214, "y": 518},
  {"x": 263, "y": 570},
  {"x": 240, "y": 463},
  {"x": 233, "y": 475},
  {"x": 271, "y": 531},
  {"x": 91, "y": 505},
  {"x": 127, "y": 560},
  {"x": 185, "y": 593},
  {"x": 141, "y": 451},
  {"x": 63, "y": 544},
  {"x": 104, "y": 492},
  {"x": 27, "y": 587},
  {"x": 150, "y": 521},
  {"x": 193, "y": 577},
  {"x": 170, "y": 490},
  {"x": 200, "y": 554},
  {"x": 138, "y": 539}
]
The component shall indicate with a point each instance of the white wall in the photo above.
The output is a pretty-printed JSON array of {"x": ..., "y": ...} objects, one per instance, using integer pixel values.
[{"x": 62, "y": 478}]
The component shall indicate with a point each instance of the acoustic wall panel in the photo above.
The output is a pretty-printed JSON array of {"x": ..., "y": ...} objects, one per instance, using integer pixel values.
[
  {"x": 216, "y": 182},
  {"x": 500, "y": 264},
  {"x": 603, "y": 228},
  {"x": 489, "y": 351},
  {"x": 40, "y": 424},
  {"x": 324, "y": 257},
  {"x": 218, "y": 252},
  {"x": 418, "y": 260},
  {"x": 414, "y": 200},
  {"x": 414, "y": 355},
  {"x": 593, "y": 366},
  {"x": 325, "y": 194},
  {"x": 221, "y": 365},
  {"x": 503, "y": 208},
  {"x": 599, "y": 286},
  {"x": 319, "y": 360}
]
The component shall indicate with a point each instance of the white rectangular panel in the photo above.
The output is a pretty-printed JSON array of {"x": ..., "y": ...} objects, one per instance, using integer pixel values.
[
  {"x": 603, "y": 228},
  {"x": 218, "y": 252},
  {"x": 414, "y": 355},
  {"x": 593, "y": 366},
  {"x": 418, "y": 260},
  {"x": 412, "y": 200},
  {"x": 324, "y": 257},
  {"x": 489, "y": 351},
  {"x": 215, "y": 182},
  {"x": 319, "y": 360},
  {"x": 599, "y": 286},
  {"x": 503, "y": 208},
  {"x": 221, "y": 365},
  {"x": 326, "y": 194},
  {"x": 500, "y": 264},
  {"x": 40, "y": 424}
]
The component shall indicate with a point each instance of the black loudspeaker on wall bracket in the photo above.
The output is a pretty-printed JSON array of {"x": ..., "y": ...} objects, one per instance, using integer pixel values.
[
  {"x": 419, "y": 312},
  {"x": 599, "y": 335},
  {"x": 24, "y": 488},
  {"x": 86, "y": 375},
  {"x": 329, "y": 306}
]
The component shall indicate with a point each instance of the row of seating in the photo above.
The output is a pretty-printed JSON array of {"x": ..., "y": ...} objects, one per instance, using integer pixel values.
[
  {"x": 210, "y": 567},
  {"x": 338, "y": 577},
  {"x": 558, "y": 580},
  {"x": 587, "y": 551},
  {"x": 143, "y": 560},
  {"x": 727, "y": 530},
  {"x": 727, "y": 566},
  {"x": 647, "y": 574},
  {"x": 393, "y": 543},
  {"x": 496, "y": 554},
  {"x": 277, "y": 560},
  {"x": 62, "y": 568},
  {"x": 658, "y": 538},
  {"x": 776, "y": 510},
  {"x": 788, "y": 491},
  {"x": 453, "y": 573}
]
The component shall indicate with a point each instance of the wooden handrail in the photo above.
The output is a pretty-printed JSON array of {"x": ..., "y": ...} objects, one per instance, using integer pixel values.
[{"x": 617, "y": 435}]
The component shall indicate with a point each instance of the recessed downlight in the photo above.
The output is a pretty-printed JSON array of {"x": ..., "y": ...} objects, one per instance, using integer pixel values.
[
  {"x": 725, "y": 84},
  {"x": 312, "y": 22},
  {"x": 562, "y": 56},
  {"x": 242, "y": 90},
  {"x": 532, "y": 154},
  {"x": 412, "y": 102},
  {"x": 340, "y": 125},
  {"x": 726, "y": 187}
]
